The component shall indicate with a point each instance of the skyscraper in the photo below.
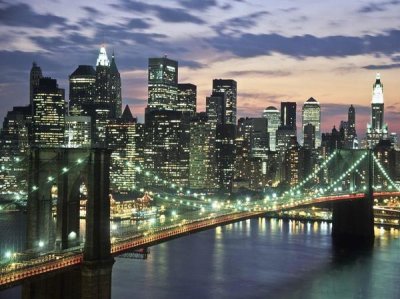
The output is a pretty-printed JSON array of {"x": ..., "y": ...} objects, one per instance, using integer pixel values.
[
  {"x": 187, "y": 95},
  {"x": 35, "y": 76},
  {"x": 120, "y": 136},
  {"x": 48, "y": 119},
  {"x": 351, "y": 128},
  {"x": 215, "y": 107},
  {"x": 162, "y": 84},
  {"x": 78, "y": 131},
  {"x": 288, "y": 115},
  {"x": 107, "y": 103},
  {"x": 115, "y": 88},
  {"x": 312, "y": 115},
  {"x": 202, "y": 173},
  {"x": 377, "y": 129},
  {"x": 273, "y": 122},
  {"x": 82, "y": 90},
  {"x": 229, "y": 87},
  {"x": 167, "y": 146}
]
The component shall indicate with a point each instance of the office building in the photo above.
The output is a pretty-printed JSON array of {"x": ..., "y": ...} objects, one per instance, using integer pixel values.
[
  {"x": 229, "y": 87},
  {"x": 312, "y": 115}
]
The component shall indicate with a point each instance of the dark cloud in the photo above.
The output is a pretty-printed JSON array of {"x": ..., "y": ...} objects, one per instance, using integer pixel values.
[
  {"x": 289, "y": 9},
  {"x": 22, "y": 15},
  {"x": 198, "y": 5},
  {"x": 239, "y": 23},
  {"x": 92, "y": 11},
  {"x": 249, "y": 45},
  {"x": 191, "y": 64},
  {"x": 166, "y": 14},
  {"x": 138, "y": 24},
  {"x": 258, "y": 73},
  {"x": 396, "y": 58},
  {"x": 377, "y": 7},
  {"x": 382, "y": 66}
]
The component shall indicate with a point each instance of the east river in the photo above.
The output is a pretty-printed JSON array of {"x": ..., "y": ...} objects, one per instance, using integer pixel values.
[{"x": 259, "y": 258}]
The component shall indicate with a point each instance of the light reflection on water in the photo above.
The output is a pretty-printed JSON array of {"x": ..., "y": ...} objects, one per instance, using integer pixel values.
[
  {"x": 262, "y": 258},
  {"x": 259, "y": 258}
]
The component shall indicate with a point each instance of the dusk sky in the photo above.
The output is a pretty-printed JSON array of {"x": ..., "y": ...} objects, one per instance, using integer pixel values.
[{"x": 276, "y": 50}]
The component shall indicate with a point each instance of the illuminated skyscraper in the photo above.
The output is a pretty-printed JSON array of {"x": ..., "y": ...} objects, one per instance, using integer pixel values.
[
  {"x": 312, "y": 115},
  {"x": 78, "y": 131},
  {"x": 107, "y": 103},
  {"x": 273, "y": 122},
  {"x": 288, "y": 115},
  {"x": 187, "y": 95},
  {"x": 35, "y": 76},
  {"x": 48, "y": 119},
  {"x": 229, "y": 87},
  {"x": 377, "y": 129},
  {"x": 163, "y": 84},
  {"x": 166, "y": 149},
  {"x": 82, "y": 90},
  {"x": 215, "y": 108},
  {"x": 203, "y": 175},
  {"x": 120, "y": 136}
]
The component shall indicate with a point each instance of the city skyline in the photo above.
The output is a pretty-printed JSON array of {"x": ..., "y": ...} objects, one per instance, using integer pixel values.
[{"x": 281, "y": 61}]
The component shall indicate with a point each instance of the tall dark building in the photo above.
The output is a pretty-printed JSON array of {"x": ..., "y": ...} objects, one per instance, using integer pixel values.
[
  {"x": 82, "y": 90},
  {"x": 288, "y": 115},
  {"x": 225, "y": 155},
  {"x": 107, "y": 103},
  {"x": 163, "y": 84},
  {"x": 35, "y": 76},
  {"x": 309, "y": 136},
  {"x": 229, "y": 87},
  {"x": 351, "y": 128},
  {"x": 115, "y": 88},
  {"x": 215, "y": 107},
  {"x": 48, "y": 119},
  {"x": 187, "y": 97}
]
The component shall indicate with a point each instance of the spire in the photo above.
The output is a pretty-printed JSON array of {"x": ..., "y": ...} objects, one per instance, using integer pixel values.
[
  {"x": 103, "y": 59},
  {"x": 127, "y": 115},
  {"x": 113, "y": 65},
  {"x": 377, "y": 93}
]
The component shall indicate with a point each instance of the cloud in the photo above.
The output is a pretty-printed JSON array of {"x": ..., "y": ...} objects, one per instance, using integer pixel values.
[
  {"x": 22, "y": 15},
  {"x": 239, "y": 23},
  {"x": 191, "y": 64},
  {"x": 377, "y": 7},
  {"x": 250, "y": 45},
  {"x": 198, "y": 5},
  {"x": 382, "y": 66},
  {"x": 138, "y": 24},
  {"x": 166, "y": 14},
  {"x": 92, "y": 11},
  {"x": 258, "y": 73}
]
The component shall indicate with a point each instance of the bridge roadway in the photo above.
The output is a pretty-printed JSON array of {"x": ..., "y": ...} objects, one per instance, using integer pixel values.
[{"x": 16, "y": 273}]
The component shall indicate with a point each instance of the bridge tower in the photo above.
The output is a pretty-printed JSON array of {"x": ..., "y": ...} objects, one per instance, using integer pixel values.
[
  {"x": 353, "y": 221},
  {"x": 63, "y": 171}
]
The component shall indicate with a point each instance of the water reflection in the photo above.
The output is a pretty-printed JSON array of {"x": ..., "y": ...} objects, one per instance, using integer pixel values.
[{"x": 265, "y": 258}]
